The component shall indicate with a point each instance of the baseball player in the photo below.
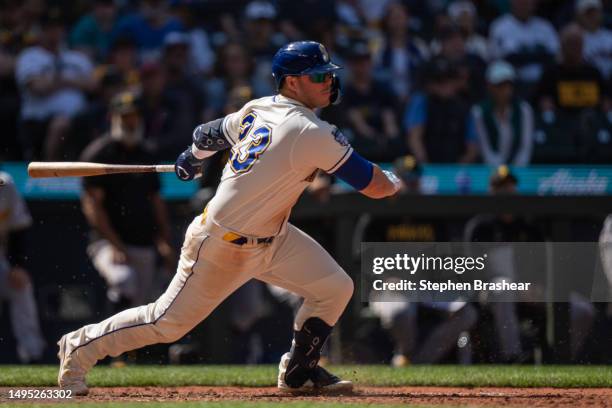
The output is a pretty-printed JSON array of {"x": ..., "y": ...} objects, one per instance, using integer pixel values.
[
  {"x": 277, "y": 145},
  {"x": 15, "y": 282}
]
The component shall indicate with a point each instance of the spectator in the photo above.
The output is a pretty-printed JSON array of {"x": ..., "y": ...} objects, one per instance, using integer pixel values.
[
  {"x": 527, "y": 42},
  {"x": 53, "y": 82},
  {"x": 123, "y": 56},
  {"x": 19, "y": 23},
  {"x": 572, "y": 85},
  {"x": 463, "y": 14},
  {"x": 12, "y": 41},
  {"x": 94, "y": 121},
  {"x": 235, "y": 68},
  {"x": 402, "y": 55},
  {"x": 185, "y": 87},
  {"x": 510, "y": 228},
  {"x": 301, "y": 20},
  {"x": 438, "y": 124},
  {"x": 167, "y": 123},
  {"x": 351, "y": 15},
  {"x": 262, "y": 41},
  {"x": 126, "y": 212},
  {"x": 470, "y": 68},
  {"x": 504, "y": 123},
  {"x": 597, "y": 39},
  {"x": 430, "y": 16},
  {"x": 370, "y": 109},
  {"x": 221, "y": 18},
  {"x": 93, "y": 32},
  {"x": 374, "y": 11},
  {"x": 25, "y": 16},
  {"x": 201, "y": 56},
  {"x": 260, "y": 30},
  {"x": 237, "y": 98},
  {"x": 148, "y": 28},
  {"x": 15, "y": 281}
]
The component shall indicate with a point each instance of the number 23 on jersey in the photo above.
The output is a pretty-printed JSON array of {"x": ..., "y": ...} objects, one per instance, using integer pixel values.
[{"x": 252, "y": 143}]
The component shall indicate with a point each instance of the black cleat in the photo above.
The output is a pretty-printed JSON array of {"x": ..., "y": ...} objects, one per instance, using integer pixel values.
[{"x": 320, "y": 380}]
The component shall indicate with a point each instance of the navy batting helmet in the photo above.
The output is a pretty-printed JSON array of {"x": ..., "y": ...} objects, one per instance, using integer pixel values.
[{"x": 304, "y": 58}]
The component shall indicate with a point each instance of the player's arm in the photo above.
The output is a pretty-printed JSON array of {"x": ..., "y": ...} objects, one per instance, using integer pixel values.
[
  {"x": 208, "y": 138},
  {"x": 367, "y": 178},
  {"x": 92, "y": 203},
  {"x": 163, "y": 240}
]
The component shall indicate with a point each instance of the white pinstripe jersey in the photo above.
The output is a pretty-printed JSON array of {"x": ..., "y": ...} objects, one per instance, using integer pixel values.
[{"x": 278, "y": 144}]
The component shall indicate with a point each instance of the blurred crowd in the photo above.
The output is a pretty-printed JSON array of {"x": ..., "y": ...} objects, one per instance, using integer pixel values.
[{"x": 448, "y": 81}]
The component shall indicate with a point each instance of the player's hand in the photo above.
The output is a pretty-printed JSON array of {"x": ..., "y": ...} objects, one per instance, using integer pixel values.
[
  {"x": 119, "y": 255},
  {"x": 168, "y": 255},
  {"x": 397, "y": 183},
  {"x": 18, "y": 278},
  {"x": 187, "y": 166}
]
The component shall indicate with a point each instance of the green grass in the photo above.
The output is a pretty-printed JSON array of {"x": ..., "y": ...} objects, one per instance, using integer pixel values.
[{"x": 261, "y": 376}]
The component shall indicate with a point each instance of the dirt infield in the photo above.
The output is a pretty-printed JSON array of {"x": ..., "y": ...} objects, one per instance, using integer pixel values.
[{"x": 515, "y": 397}]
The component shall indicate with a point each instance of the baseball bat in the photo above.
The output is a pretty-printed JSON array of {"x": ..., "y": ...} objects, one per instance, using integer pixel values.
[{"x": 85, "y": 169}]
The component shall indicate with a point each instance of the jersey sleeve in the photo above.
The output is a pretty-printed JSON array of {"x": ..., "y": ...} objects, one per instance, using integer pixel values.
[
  {"x": 231, "y": 126},
  {"x": 323, "y": 147},
  {"x": 19, "y": 216}
]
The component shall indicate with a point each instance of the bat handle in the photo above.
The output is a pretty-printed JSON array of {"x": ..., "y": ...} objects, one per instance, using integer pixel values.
[{"x": 164, "y": 168}]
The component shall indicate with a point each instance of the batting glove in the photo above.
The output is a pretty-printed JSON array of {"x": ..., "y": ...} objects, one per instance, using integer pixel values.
[
  {"x": 187, "y": 166},
  {"x": 397, "y": 183}
]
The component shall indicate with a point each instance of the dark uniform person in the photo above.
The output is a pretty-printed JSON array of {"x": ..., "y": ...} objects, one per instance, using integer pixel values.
[
  {"x": 445, "y": 322},
  {"x": 505, "y": 229},
  {"x": 126, "y": 212}
]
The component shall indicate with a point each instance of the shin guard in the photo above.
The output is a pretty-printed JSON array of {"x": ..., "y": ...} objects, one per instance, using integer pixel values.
[{"x": 306, "y": 351}]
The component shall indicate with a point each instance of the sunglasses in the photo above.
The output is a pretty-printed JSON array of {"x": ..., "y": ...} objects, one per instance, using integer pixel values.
[{"x": 320, "y": 78}]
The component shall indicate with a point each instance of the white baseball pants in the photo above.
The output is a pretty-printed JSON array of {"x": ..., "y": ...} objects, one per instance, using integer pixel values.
[{"x": 209, "y": 270}]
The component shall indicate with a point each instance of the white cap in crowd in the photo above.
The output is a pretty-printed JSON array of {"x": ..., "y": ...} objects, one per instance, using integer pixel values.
[
  {"x": 176, "y": 38},
  {"x": 256, "y": 10},
  {"x": 499, "y": 72},
  {"x": 457, "y": 8},
  {"x": 584, "y": 5}
]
